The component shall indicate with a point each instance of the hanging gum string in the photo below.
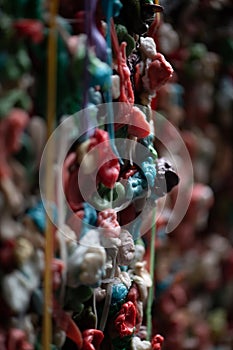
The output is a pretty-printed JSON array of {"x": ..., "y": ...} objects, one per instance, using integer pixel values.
[
  {"x": 51, "y": 111},
  {"x": 151, "y": 289}
]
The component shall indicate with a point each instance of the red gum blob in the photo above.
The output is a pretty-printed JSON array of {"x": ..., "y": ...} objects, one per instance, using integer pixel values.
[
  {"x": 107, "y": 219},
  {"x": 11, "y": 129},
  {"x": 126, "y": 90},
  {"x": 125, "y": 321},
  {"x": 159, "y": 72},
  {"x": 92, "y": 339},
  {"x": 108, "y": 173},
  {"x": 30, "y": 28},
  {"x": 157, "y": 342},
  {"x": 138, "y": 126},
  {"x": 133, "y": 296},
  {"x": 17, "y": 340}
]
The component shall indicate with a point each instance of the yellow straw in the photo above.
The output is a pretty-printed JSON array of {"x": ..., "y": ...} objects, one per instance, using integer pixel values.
[
  {"x": 152, "y": 259},
  {"x": 157, "y": 14},
  {"x": 51, "y": 112}
]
